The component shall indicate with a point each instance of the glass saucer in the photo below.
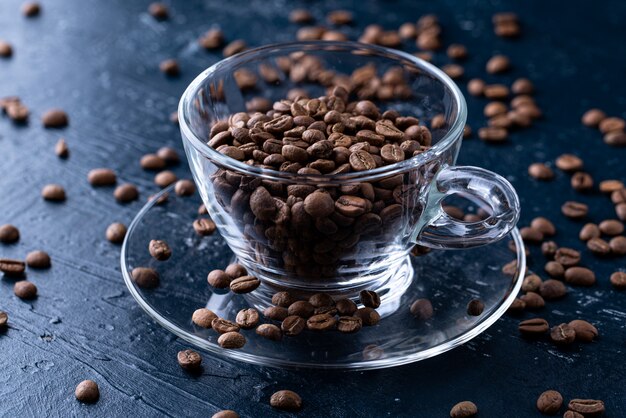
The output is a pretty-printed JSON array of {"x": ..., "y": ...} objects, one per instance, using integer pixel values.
[{"x": 450, "y": 279}]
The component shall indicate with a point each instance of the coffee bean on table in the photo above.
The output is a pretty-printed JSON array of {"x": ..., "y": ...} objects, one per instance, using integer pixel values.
[
  {"x": 293, "y": 325},
  {"x": 31, "y": 9},
  {"x": 277, "y": 313},
  {"x": 11, "y": 267},
  {"x": 581, "y": 182},
  {"x": 552, "y": 289},
  {"x": 165, "y": 178},
  {"x": 6, "y": 50},
  {"x": 152, "y": 162},
  {"x": 589, "y": 231},
  {"x": 574, "y": 210},
  {"x": 125, "y": 193},
  {"x": 587, "y": 407},
  {"x": 203, "y": 317},
  {"x": 611, "y": 227},
  {"x": 492, "y": 134},
  {"x": 569, "y": 163},
  {"x": 531, "y": 235},
  {"x": 286, "y": 400},
  {"x": 235, "y": 47},
  {"x": 231, "y": 340},
  {"x": 543, "y": 225},
  {"x": 169, "y": 155},
  {"x": 562, "y": 334},
  {"x": 116, "y": 232},
  {"x": 610, "y": 186},
  {"x": 464, "y": 409},
  {"x": 55, "y": 118},
  {"x": 247, "y": 318},
  {"x": 618, "y": 280},
  {"x": 301, "y": 308},
  {"x": 244, "y": 284},
  {"x": 593, "y": 117},
  {"x": 227, "y": 413},
  {"x": 321, "y": 322},
  {"x": 61, "y": 149},
  {"x": 422, "y": 309},
  {"x": 498, "y": 64},
  {"x": 555, "y": 269},
  {"x": 368, "y": 315},
  {"x": 9, "y": 234},
  {"x": 549, "y": 402},
  {"x": 87, "y": 391},
  {"x": 219, "y": 279},
  {"x": 145, "y": 277},
  {"x": 189, "y": 360},
  {"x": 567, "y": 257},
  {"x": 185, "y": 187},
  {"x": 349, "y": 324},
  {"x": 517, "y": 306},
  {"x": 618, "y": 196},
  {"x": 548, "y": 249},
  {"x": 321, "y": 299},
  {"x": 170, "y": 67},
  {"x": 159, "y": 11},
  {"x": 533, "y": 327},
  {"x": 101, "y": 177},
  {"x": 580, "y": 276},
  {"x": 598, "y": 246},
  {"x": 53, "y": 193},
  {"x": 282, "y": 299},
  {"x": 38, "y": 260},
  {"x": 269, "y": 331},
  {"x": 533, "y": 300},
  {"x": 572, "y": 414},
  {"x": 540, "y": 171},
  {"x": 235, "y": 270},
  {"x": 531, "y": 283},
  {"x": 222, "y": 325},
  {"x": 369, "y": 298},
  {"x": 346, "y": 307},
  {"x": 25, "y": 290},
  {"x": 475, "y": 307},
  {"x": 585, "y": 332},
  {"x": 300, "y": 16},
  {"x": 4, "y": 318}
]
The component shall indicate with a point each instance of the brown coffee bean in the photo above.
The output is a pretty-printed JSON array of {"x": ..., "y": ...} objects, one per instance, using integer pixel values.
[
  {"x": 116, "y": 232},
  {"x": 231, "y": 340},
  {"x": 282, "y": 299},
  {"x": 368, "y": 315},
  {"x": 126, "y": 192},
  {"x": 599, "y": 246},
  {"x": 611, "y": 124},
  {"x": 38, "y": 260},
  {"x": 611, "y": 227},
  {"x": 269, "y": 331},
  {"x": 185, "y": 188},
  {"x": 531, "y": 235},
  {"x": 610, "y": 186},
  {"x": 102, "y": 177},
  {"x": 498, "y": 64},
  {"x": 319, "y": 204},
  {"x": 286, "y": 400},
  {"x": 543, "y": 225},
  {"x": 321, "y": 299},
  {"x": 24, "y": 290},
  {"x": 301, "y": 308},
  {"x": 235, "y": 47},
  {"x": 87, "y": 391},
  {"x": 9, "y": 234},
  {"x": 517, "y": 306},
  {"x": 277, "y": 313},
  {"x": 247, "y": 318},
  {"x": 457, "y": 52},
  {"x": 352, "y": 206},
  {"x": 555, "y": 269},
  {"x": 223, "y": 326},
  {"x": 203, "y": 317},
  {"x": 510, "y": 268},
  {"x": 55, "y": 118},
  {"x": 548, "y": 249},
  {"x": 593, "y": 117},
  {"x": 493, "y": 134},
  {"x": 321, "y": 322},
  {"x": 533, "y": 300},
  {"x": 4, "y": 318},
  {"x": 580, "y": 276},
  {"x": 159, "y": 11},
  {"x": 53, "y": 193},
  {"x": 620, "y": 211},
  {"x": 369, "y": 298},
  {"x": 476, "y": 87},
  {"x": 339, "y": 17},
  {"x": 533, "y": 327},
  {"x": 12, "y": 267},
  {"x": 204, "y": 227},
  {"x": 618, "y": 280},
  {"x": 152, "y": 162},
  {"x": 562, "y": 334},
  {"x": 522, "y": 86},
  {"x": 293, "y": 325},
  {"x": 227, "y": 413},
  {"x": 618, "y": 196},
  {"x": 585, "y": 332},
  {"x": 587, "y": 407},
  {"x": 496, "y": 91},
  {"x": 549, "y": 402},
  {"x": 589, "y": 231},
  {"x": 361, "y": 161},
  {"x": 581, "y": 182},
  {"x": 31, "y": 9},
  {"x": 454, "y": 71},
  {"x": 552, "y": 289},
  {"x": 618, "y": 245},
  {"x": 464, "y": 409},
  {"x": 61, "y": 149},
  {"x": 569, "y": 163},
  {"x": 244, "y": 284},
  {"x": 615, "y": 138},
  {"x": 169, "y": 155},
  {"x": 567, "y": 257},
  {"x": 159, "y": 250},
  {"x": 189, "y": 360},
  {"x": 475, "y": 307},
  {"x": 346, "y": 307},
  {"x": 170, "y": 67},
  {"x": 422, "y": 309},
  {"x": 531, "y": 283},
  {"x": 145, "y": 277},
  {"x": 165, "y": 178},
  {"x": 574, "y": 210},
  {"x": 236, "y": 270},
  {"x": 300, "y": 16}
]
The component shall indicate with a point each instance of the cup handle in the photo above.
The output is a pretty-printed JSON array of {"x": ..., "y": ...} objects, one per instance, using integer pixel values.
[{"x": 474, "y": 183}]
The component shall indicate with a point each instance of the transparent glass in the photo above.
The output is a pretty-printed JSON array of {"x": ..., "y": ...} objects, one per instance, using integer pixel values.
[{"x": 337, "y": 253}]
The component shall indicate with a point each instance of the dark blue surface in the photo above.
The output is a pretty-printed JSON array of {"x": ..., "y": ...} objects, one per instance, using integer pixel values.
[{"x": 99, "y": 61}]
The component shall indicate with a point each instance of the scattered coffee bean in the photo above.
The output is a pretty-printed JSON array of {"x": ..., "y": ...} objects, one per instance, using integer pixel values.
[
  {"x": 31, "y": 9},
  {"x": 567, "y": 257},
  {"x": 548, "y": 249},
  {"x": 286, "y": 400},
  {"x": 422, "y": 309},
  {"x": 574, "y": 210},
  {"x": 346, "y": 307},
  {"x": 369, "y": 316},
  {"x": 517, "y": 306},
  {"x": 219, "y": 279},
  {"x": 493, "y": 134},
  {"x": 585, "y": 332},
  {"x": 498, "y": 64},
  {"x": 572, "y": 414},
  {"x": 282, "y": 299},
  {"x": 339, "y": 17},
  {"x": 593, "y": 117},
  {"x": 247, "y": 318},
  {"x": 540, "y": 171},
  {"x": 610, "y": 186},
  {"x": 235, "y": 270},
  {"x": 204, "y": 227},
  {"x": 562, "y": 334},
  {"x": 145, "y": 277},
  {"x": 223, "y": 326},
  {"x": 269, "y": 331},
  {"x": 531, "y": 235},
  {"x": 569, "y": 163},
  {"x": 543, "y": 225},
  {"x": 170, "y": 67},
  {"x": 232, "y": 340},
  {"x": 301, "y": 308},
  {"x": 6, "y": 50},
  {"x": 244, "y": 284},
  {"x": 165, "y": 178},
  {"x": 125, "y": 193},
  {"x": 611, "y": 227},
  {"x": 321, "y": 322},
  {"x": 589, "y": 231},
  {"x": 549, "y": 402},
  {"x": 555, "y": 269},
  {"x": 10, "y": 267},
  {"x": 38, "y": 260},
  {"x": 615, "y": 138},
  {"x": 9, "y": 234},
  {"x": 611, "y": 124},
  {"x": 552, "y": 289},
  {"x": 87, "y": 391},
  {"x": 581, "y": 182},
  {"x": 369, "y": 299},
  {"x": 4, "y": 318},
  {"x": 457, "y": 52},
  {"x": 476, "y": 87},
  {"x": 227, "y": 413},
  {"x": 475, "y": 307},
  {"x": 189, "y": 360},
  {"x": 580, "y": 276},
  {"x": 598, "y": 246},
  {"x": 531, "y": 283},
  {"x": 61, "y": 149},
  {"x": 293, "y": 325},
  {"x": 25, "y": 290},
  {"x": 618, "y": 245},
  {"x": 55, "y": 118},
  {"x": 464, "y": 409},
  {"x": 152, "y": 162},
  {"x": 159, "y": 250},
  {"x": 185, "y": 188},
  {"x": 300, "y": 16},
  {"x": 277, "y": 313},
  {"x": 116, "y": 232},
  {"x": 101, "y": 177},
  {"x": 533, "y": 327},
  {"x": 203, "y": 317},
  {"x": 234, "y": 47},
  {"x": 159, "y": 11},
  {"x": 53, "y": 193},
  {"x": 533, "y": 300},
  {"x": 620, "y": 211},
  {"x": 587, "y": 407},
  {"x": 169, "y": 155},
  {"x": 618, "y": 280}
]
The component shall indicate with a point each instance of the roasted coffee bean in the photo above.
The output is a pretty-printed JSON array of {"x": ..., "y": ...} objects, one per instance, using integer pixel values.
[
  {"x": 475, "y": 307},
  {"x": 55, "y": 118},
  {"x": 496, "y": 91},
  {"x": 31, "y": 9},
  {"x": 555, "y": 269},
  {"x": 552, "y": 289},
  {"x": 204, "y": 227},
  {"x": 598, "y": 246},
  {"x": 522, "y": 86},
  {"x": 165, "y": 178},
  {"x": 562, "y": 334},
  {"x": 159, "y": 250},
  {"x": 346, "y": 307},
  {"x": 61, "y": 149},
  {"x": 498, "y": 64},
  {"x": 510, "y": 268},
  {"x": 464, "y": 409},
  {"x": 422, "y": 309},
  {"x": 12, "y": 267},
  {"x": 102, "y": 177},
  {"x": 549, "y": 402},
  {"x": 293, "y": 325},
  {"x": 548, "y": 249},
  {"x": 543, "y": 225},
  {"x": 53, "y": 193},
  {"x": 580, "y": 276},
  {"x": 567, "y": 257},
  {"x": 38, "y": 260},
  {"x": 456, "y": 51},
  {"x": 533, "y": 300},
  {"x": 282, "y": 299},
  {"x": 369, "y": 298},
  {"x": 618, "y": 245},
  {"x": 203, "y": 317},
  {"x": 227, "y": 413},
  {"x": 587, "y": 407},
  {"x": 185, "y": 188},
  {"x": 125, "y": 193},
  {"x": 362, "y": 160},
  {"x": 368, "y": 315},
  {"x": 189, "y": 360},
  {"x": 352, "y": 206},
  {"x": 593, "y": 117},
  {"x": 145, "y": 277},
  {"x": 572, "y": 414},
  {"x": 87, "y": 391},
  {"x": 610, "y": 186},
  {"x": 236, "y": 270},
  {"x": 585, "y": 332},
  {"x": 611, "y": 227},
  {"x": 540, "y": 171},
  {"x": 231, "y": 340},
  {"x": 301, "y": 308},
  {"x": 615, "y": 138},
  {"x": 581, "y": 182},
  {"x": 244, "y": 284},
  {"x": 569, "y": 163},
  {"x": 533, "y": 327},
  {"x": 476, "y": 87},
  {"x": 321, "y": 299},
  {"x": 620, "y": 211},
  {"x": 611, "y": 124},
  {"x": 169, "y": 155},
  {"x": 493, "y": 134},
  {"x": 618, "y": 280},
  {"x": 116, "y": 232},
  {"x": 349, "y": 324},
  {"x": 286, "y": 400},
  {"x": 223, "y": 326},
  {"x": 269, "y": 331},
  {"x": 531, "y": 235},
  {"x": 25, "y": 290},
  {"x": 159, "y": 11},
  {"x": 319, "y": 204},
  {"x": 588, "y": 232},
  {"x": 321, "y": 322},
  {"x": 517, "y": 306},
  {"x": 277, "y": 313},
  {"x": 300, "y": 16},
  {"x": 4, "y": 318},
  {"x": 247, "y": 318},
  {"x": 9, "y": 234},
  {"x": 531, "y": 283},
  {"x": 454, "y": 71},
  {"x": 170, "y": 67},
  {"x": 574, "y": 210}
]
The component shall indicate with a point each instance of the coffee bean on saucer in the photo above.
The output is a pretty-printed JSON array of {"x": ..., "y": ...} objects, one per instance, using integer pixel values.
[
  {"x": 277, "y": 313},
  {"x": 231, "y": 340},
  {"x": 247, "y": 318},
  {"x": 116, "y": 232},
  {"x": 301, "y": 308},
  {"x": 87, "y": 391},
  {"x": 368, "y": 315},
  {"x": 321, "y": 322},
  {"x": 369, "y": 298},
  {"x": 475, "y": 307},
  {"x": 286, "y": 400},
  {"x": 574, "y": 210},
  {"x": 152, "y": 162},
  {"x": 349, "y": 324},
  {"x": 464, "y": 409},
  {"x": 11, "y": 267},
  {"x": 533, "y": 300},
  {"x": 235, "y": 270},
  {"x": 422, "y": 309},
  {"x": 101, "y": 177},
  {"x": 244, "y": 284},
  {"x": 567, "y": 257},
  {"x": 125, "y": 193},
  {"x": 587, "y": 407},
  {"x": 598, "y": 246},
  {"x": 55, "y": 118},
  {"x": 170, "y": 67},
  {"x": 321, "y": 299},
  {"x": 219, "y": 279},
  {"x": 531, "y": 283},
  {"x": 165, "y": 178},
  {"x": 543, "y": 225},
  {"x": 549, "y": 402},
  {"x": 585, "y": 332},
  {"x": 53, "y": 193},
  {"x": 203, "y": 317},
  {"x": 533, "y": 327},
  {"x": 282, "y": 299},
  {"x": 222, "y": 325},
  {"x": 189, "y": 360},
  {"x": 227, "y": 413},
  {"x": 4, "y": 318},
  {"x": 589, "y": 231},
  {"x": 185, "y": 187},
  {"x": 611, "y": 227},
  {"x": 346, "y": 307},
  {"x": 293, "y": 325},
  {"x": 61, "y": 149},
  {"x": 9, "y": 234},
  {"x": 38, "y": 260},
  {"x": 593, "y": 117},
  {"x": 25, "y": 290},
  {"x": 145, "y": 277},
  {"x": 159, "y": 250},
  {"x": 540, "y": 171},
  {"x": 569, "y": 163},
  {"x": 562, "y": 334},
  {"x": 552, "y": 289},
  {"x": 580, "y": 276},
  {"x": 555, "y": 269},
  {"x": 269, "y": 331},
  {"x": 618, "y": 280}
]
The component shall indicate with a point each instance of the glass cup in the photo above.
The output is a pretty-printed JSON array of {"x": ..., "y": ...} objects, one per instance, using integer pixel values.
[{"x": 368, "y": 247}]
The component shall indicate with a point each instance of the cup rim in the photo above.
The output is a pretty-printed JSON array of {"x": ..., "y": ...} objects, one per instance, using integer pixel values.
[{"x": 224, "y": 161}]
